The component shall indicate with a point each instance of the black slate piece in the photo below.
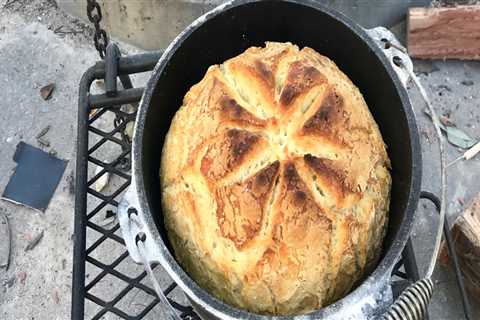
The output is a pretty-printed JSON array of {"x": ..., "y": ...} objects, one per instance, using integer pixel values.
[{"x": 36, "y": 177}]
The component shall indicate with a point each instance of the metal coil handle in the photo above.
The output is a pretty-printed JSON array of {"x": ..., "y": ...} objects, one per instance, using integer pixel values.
[{"x": 412, "y": 303}]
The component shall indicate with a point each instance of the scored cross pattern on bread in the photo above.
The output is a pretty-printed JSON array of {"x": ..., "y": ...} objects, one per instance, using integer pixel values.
[{"x": 275, "y": 182}]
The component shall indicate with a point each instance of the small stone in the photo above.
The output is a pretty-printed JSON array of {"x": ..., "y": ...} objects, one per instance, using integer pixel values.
[
  {"x": 9, "y": 139},
  {"x": 445, "y": 87}
]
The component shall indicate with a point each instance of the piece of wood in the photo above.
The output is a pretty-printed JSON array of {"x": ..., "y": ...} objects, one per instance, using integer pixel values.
[
  {"x": 442, "y": 33},
  {"x": 466, "y": 239}
]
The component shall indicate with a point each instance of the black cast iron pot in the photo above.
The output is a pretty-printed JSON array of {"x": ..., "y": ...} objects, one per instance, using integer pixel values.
[{"x": 224, "y": 33}]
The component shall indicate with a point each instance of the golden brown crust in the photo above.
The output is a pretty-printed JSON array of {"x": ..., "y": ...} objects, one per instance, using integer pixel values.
[
  {"x": 275, "y": 182},
  {"x": 328, "y": 119},
  {"x": 228, "y": 152},
  {"x": 300, "y": 79},
  {"x": 232, "y": 113},
  {"x": 241, "y": 207}
]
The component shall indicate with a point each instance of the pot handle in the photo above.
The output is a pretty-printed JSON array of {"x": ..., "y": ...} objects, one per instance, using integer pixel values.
[
  {"x": 166, "y": 307},
  {"x": 402, "y": 65},
  {"x": 140, "y": 246},
  {"x": 412, "y": 304},
  {"x": 394, "y": 51}
]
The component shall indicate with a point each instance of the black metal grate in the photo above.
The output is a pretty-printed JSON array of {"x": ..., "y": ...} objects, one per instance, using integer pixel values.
[
  {"x": 107, "y": 253},
  {"x": 106, "y": 282}
]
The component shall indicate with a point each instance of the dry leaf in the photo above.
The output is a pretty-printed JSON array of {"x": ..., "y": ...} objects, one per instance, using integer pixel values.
[
  {"x": 446, "y": 121},
  {"x": 46, "y": 91},
  {"x": 129, "y": 129},
  {"x": 101, "y": 182},
  {"x": 43, "y": 132},
  {"x": 459, "y": 138},
  {"x": 107, "y": 221},
  {"x": 44, "y": 142},
  {"x": 454, "y": 135},
  {"x": 35, "y": 241},
  {"x": 93, "y": 112}
]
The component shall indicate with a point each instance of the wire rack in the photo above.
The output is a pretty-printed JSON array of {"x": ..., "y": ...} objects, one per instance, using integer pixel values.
[{"x": 106, "y": 282}]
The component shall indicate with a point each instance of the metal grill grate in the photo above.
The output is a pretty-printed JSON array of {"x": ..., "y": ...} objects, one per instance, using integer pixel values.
[{"x": 106, "y": 282}]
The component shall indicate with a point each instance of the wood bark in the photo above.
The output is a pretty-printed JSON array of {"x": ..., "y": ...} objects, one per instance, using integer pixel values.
[{"x": 441, "y": 33}]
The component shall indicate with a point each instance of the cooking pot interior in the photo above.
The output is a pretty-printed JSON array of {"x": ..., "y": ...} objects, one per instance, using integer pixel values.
[{"x": 229, "y": 33}]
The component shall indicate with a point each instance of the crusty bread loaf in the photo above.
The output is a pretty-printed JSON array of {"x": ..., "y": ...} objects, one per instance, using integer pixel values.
[{"x": 275, "y": 182}]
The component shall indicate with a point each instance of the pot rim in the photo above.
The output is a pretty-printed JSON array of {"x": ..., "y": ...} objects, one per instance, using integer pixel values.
[{"x": 381, "y": 274}]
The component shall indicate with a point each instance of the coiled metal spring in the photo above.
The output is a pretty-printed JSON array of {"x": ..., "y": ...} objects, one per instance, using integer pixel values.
[{"x": 412, "y": 303}]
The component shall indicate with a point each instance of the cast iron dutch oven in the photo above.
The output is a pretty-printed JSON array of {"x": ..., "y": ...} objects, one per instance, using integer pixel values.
[{"x": 224, "y": 33}]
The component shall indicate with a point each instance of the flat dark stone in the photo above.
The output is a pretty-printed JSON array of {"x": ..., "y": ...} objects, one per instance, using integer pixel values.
[{"x": 35, "y": 178}]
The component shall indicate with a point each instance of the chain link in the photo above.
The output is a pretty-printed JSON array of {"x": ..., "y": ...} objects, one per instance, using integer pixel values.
[{"x": 100, "y": 38}]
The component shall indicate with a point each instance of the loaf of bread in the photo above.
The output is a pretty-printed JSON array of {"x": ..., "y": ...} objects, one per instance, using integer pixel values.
[{"x": 275, "y": 182}]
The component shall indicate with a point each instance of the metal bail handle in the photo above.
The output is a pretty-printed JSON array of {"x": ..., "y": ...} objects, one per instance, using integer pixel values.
[
  {"x": 164, "y": 303},
  {"x": 413, "y": 302},
  {"x": 138, "y": 241}
]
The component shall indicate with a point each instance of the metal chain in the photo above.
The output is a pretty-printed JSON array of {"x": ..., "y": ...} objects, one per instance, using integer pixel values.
[{"x": 100, "y": 38}]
